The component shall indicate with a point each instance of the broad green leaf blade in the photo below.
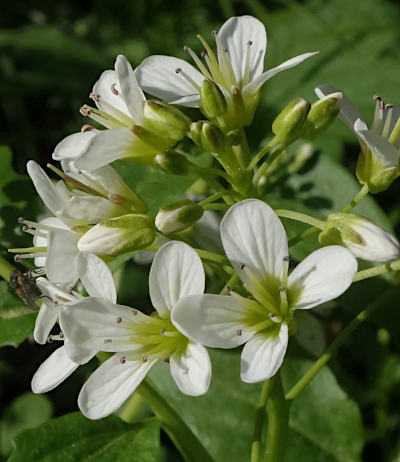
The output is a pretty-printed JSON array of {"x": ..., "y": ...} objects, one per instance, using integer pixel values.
[
  {"x": 223, "y": 419},
  {"x": 16, "y": 319},
  {"x": 73, "y": 438},
  {"x": 27, "y": 411},
  {"x": 324, "y": 422}
]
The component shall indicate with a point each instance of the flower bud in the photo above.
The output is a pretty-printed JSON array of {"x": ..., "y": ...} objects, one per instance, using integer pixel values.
[
  {"x": 361, "y": 236},
  {"x": 172, "y": 162},
  {"x": 322, "y": 113},
  {"x": 212, "y": 139},
  {"x": 165, "y": 120},
  {"x": 178, "y": 216},
  {"x": 156, "y": 140},
  {"x": 213, "y": 102},
  {"x": 375, "y": 170},
  {"x": 289, "y": 123},
  {"x": 195, "y": 132},
  {"x": 118, "y": 235},
  {"x": 234, "y": 137}
]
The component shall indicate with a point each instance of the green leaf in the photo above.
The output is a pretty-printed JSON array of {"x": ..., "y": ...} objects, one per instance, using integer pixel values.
[
  {"x": 323, "y": 421},
  {"x": 223, "y": 419},
  {"x": 27, "y": 411},
  {"x": 16, "y": 319},
  {"x": 74, "y": 438}
]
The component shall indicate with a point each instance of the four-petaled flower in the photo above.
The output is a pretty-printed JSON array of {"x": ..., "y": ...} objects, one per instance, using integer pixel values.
[
  {"x": 237, "y": 69},
  {"x": 256, "y": 244},
  {"x": 139, "y": 340}
]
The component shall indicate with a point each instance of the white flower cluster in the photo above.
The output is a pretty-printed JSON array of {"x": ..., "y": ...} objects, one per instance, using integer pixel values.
[{"x": 97, "y": 216}]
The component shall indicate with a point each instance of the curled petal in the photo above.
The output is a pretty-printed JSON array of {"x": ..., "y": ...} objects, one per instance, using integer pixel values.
[
  {"x": 176, "y": 272},
  {"x": 45, "y": 321},
  {"x": 158, "y": 76},
  {"x": 131, "y": 92},
  {"x": 322, "y": 276},
  {"x": 72, "y": 146},
  {"x": 191, "y": 370},
  {"x": 57, "y": 367},
  {"x": 110, "y": 385},
  {"x": 263, "y": 354}
]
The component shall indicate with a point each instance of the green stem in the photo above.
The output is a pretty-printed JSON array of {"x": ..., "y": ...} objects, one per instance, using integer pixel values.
[
  {"x": 338, "y": 342},
  {"x": 259, "y": 421},
  {"x": 359, "y": 196},
  {"x": 5, "y": 269},
  {"x": 203, "y": 171},
  {"x": 278, "y": 423},
  {"x": 260, "y": 154},
  {"x": 377, "y": 270},
  {"x": 185, "y": 440},
  {"x": 300, "y": 217},
  {"x": 299, "y": 237},
  {"x": 132, "y": 408},
  {"x": 211, "y": 198},
  {"x": 274, "y": 153},
  {"x": 218, "y": 206}
]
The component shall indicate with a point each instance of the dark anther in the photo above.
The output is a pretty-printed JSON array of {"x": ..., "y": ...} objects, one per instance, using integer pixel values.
[
  {"x": 282, "y": 289},
  {"x": 107, "y": 340},
  {"x": 21, "y": 219},
  {"x": 203, "y": 53},
  {"x": 286, "y": 259},
  {"x": 242, "y": 266},
  {"x": 178, "y": 69},
  {"x": 185, "y": 47},
  {"x": 162, "y": 331},
  {"x": 249, "y": 43},
  {"x": 239, "y": 332},
  {"x": 122, "y": 360},
  {"x": 145, "y": 358},
  {"x": 214, "y": 33},
  {"x": 114, "y": 90},
  {"x": 17, "y": 258},
  {"x": 119, "y": 320}
]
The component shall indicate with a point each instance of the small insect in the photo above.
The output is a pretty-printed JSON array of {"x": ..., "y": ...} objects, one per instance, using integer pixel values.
[{"x": 24, "y": 285}]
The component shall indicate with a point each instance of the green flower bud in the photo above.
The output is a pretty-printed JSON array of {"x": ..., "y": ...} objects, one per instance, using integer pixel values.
[
  {"x": 213, "y": 102},
  {"x": 212, "y": 139},
  {"x": 172, "y": 162},
  {"x": 195, "y": 132},
  {"x": 361, "y": 236},
  {"x": 165, "y": 120},
  {"x": 322, "y": 113},
  {"x": 156, "y": 140},
  {"x": 115, "y": 236},
  {"x": 289, "y": 123},
  {"x": 178, "y": 216},
  {"x": 375, "y": 171}
]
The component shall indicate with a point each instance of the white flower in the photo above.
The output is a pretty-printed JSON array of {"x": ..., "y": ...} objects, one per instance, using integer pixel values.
[
  {"x": 97, "y": 195},
  {"x": 361, "y": 236},
  {"x": 127, "y": 118},
  {"x": 98, "y": 282},
  {"x": 256, "y": 244},
  {"x": 237, "y": 68},
  {"x": 138, "y": 340},
  {"x": 380, "y": 144}
]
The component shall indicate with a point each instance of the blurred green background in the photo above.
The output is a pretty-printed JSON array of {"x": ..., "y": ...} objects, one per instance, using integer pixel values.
[{"x": 52, "y": 52}]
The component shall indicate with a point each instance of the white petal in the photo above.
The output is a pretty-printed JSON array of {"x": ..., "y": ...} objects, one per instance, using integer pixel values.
[
  {"x": 96, "y": 277},
  {"x": 157, "y": 76},
  {"x": 110, "y": 385},
  {"x": 110, "y": 145},
  {"x": 90, "y": 209},
  {"x": 348, "y": 112},
  {"x": 253, "y": 236},
  {"x": 212, "y": 320},
  {"x": 377, "y": 244},
  {"x": 255, "y": 84},
  {"x": 72, "y": 146},
  {"x": 97, "y": 325},
  {"x": 45, "y": 321},
  {"x": 61, "y": 256},
  {"x": 380, "y": 146},
  {"x": 234, "y": 36},
  {"x": 263, "y": 354},
  {"x": 40, "y": 241},
  {"x": 45, "y": 187},
  {"x": 191, "y": 370},
  {"x": 57, "y": 367},
  {"x": 109, "y": 90},
  {"x": 54, "y": 292},
  {"x": 131, "y": 92},
  {"x": 322, "y": 276},
  {"x": 176, "y": 272}
]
